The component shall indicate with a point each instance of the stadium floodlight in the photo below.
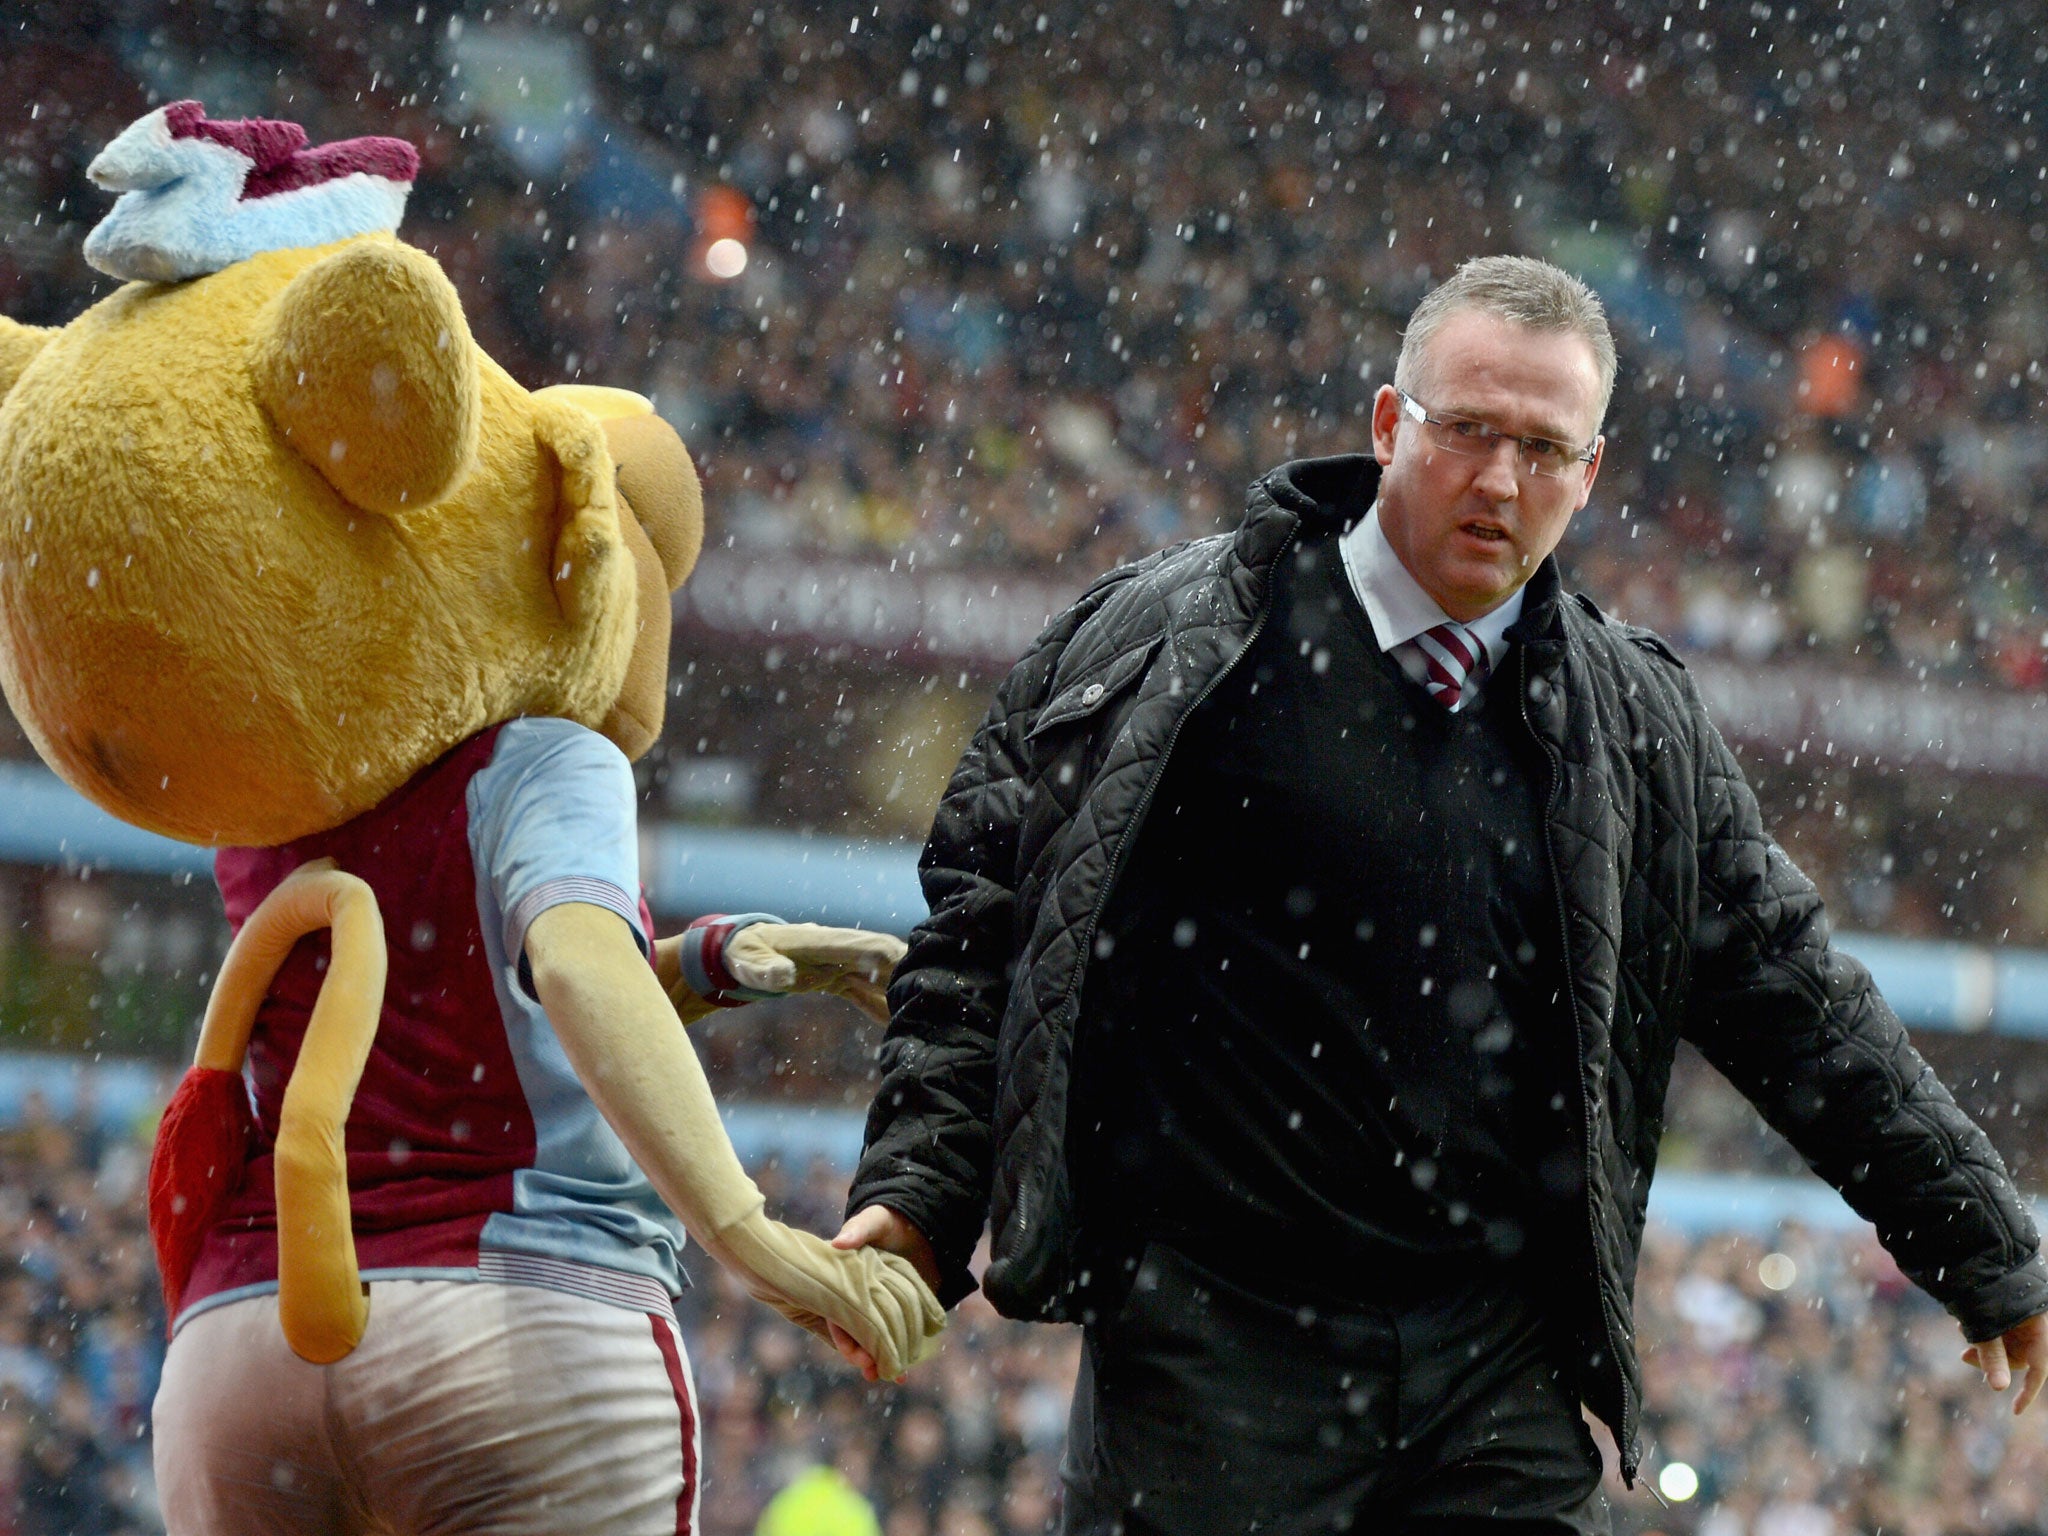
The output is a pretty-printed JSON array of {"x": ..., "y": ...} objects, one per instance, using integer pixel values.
[
  {"x": 1777, "y": 1271},
  {"x": 1678, "y": 1482},
  {"x": 725, "y": 259}
]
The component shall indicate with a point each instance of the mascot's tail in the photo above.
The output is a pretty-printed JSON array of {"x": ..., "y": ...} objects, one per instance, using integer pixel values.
[{"x": 203, "y": 1141}]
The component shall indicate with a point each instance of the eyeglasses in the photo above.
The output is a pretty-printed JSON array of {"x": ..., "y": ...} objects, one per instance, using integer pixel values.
[{"x": 1538, "y": 455}]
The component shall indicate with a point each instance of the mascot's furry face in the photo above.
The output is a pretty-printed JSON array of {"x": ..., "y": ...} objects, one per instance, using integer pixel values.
[{"x": 275, "y": 537}]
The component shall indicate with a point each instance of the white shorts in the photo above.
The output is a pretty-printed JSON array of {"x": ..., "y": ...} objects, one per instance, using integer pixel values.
[{"x": 469, "y": 1407}]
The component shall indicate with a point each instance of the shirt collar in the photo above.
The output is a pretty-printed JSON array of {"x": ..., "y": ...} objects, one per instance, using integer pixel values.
[{"x": 1394, "y": 600}]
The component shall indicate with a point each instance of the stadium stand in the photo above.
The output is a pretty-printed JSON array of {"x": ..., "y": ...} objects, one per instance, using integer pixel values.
[{"x": 1029, "y": 289}]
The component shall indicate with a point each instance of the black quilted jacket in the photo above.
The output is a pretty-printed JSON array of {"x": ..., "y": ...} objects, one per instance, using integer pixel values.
[{"x": 1682, "y": 917}]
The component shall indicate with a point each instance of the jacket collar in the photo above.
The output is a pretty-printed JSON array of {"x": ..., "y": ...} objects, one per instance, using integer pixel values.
[
  {"x": 1318, "y": 496},
  {"x": 1541, "y": 626},
  {"x": 1312, "y": 496}
]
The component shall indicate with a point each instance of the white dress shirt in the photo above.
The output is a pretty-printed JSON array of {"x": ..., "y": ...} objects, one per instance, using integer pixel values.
[{"x": 1398, "y": 607}]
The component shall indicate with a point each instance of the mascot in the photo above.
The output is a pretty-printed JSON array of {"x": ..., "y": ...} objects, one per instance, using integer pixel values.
[{"x": 290, "y": 568}]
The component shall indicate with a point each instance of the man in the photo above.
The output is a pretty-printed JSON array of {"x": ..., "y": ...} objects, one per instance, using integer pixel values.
[{"x": 1314, "y": 920}]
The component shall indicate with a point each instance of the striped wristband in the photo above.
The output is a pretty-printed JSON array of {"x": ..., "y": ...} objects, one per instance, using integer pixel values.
[{"x": 703, "y": 957}]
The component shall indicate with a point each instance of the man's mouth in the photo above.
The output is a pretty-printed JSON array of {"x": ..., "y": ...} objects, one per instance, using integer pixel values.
[{"x": 1490, "y": 533}]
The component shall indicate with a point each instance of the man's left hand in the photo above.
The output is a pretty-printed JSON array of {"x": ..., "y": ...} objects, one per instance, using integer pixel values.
[{"x": 2024, "y": 1346}]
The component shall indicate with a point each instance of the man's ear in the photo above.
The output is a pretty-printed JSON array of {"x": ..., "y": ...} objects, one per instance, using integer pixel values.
[
  {"x": 365, "y": 364},
  {"x": 1386, "y": 421},
  {"x": 19, "y": 345},
  {"x": 1592, "y": 471}
]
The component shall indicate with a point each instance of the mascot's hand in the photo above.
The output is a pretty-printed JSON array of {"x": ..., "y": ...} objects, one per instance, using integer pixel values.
[
  {"x": 874, "y": 1296},
  {"x": 644, "y": 1076},
  {"x": 725, "y": 961},
  {"x": 803, "y": 957}
]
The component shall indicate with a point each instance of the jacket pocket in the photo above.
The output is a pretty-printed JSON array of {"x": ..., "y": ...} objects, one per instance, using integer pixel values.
[{"x": 1086, "y": 696}]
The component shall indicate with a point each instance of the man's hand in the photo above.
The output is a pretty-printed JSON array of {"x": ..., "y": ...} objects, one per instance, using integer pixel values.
[
  {"x": 876, "y": 1226},
  {"x": 2024, "y": 1345},
  {"x": 869, "y": 1298}
]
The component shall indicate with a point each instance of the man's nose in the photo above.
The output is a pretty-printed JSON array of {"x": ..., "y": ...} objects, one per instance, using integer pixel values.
[{"x": 1499, "y": 477}]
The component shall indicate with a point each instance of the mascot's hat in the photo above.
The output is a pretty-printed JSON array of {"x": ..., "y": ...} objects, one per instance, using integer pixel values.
[{"x": 197, "y": 196}]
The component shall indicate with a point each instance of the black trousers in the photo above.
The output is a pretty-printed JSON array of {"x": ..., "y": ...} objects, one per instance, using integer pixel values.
[{"x": 1204, "y": 1410}]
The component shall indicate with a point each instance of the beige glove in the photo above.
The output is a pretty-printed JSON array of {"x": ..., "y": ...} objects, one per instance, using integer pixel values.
[
  {"x": 809, "y": 1282},
  {"x": 781, "y": 958},
  {"x": 641, "y": 1071}
]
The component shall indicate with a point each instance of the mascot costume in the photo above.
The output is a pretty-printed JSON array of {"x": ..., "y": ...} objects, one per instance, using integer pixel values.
[{"x": 290, "y": 568}]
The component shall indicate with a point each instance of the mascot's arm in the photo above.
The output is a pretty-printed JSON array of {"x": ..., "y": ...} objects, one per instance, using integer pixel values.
[
  {"x": 621, "y": 1037},
  {"x": 775, "y": 958},
  {"x": 19, "y": 345}
]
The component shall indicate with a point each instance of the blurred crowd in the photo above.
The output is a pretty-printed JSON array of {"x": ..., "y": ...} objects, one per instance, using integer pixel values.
[
  {"x": 1808, "y": 1390},
  {"x": 1797, "y": 1387},
  {"x": 81, "y": 1330},
  {"x": 1046, "y": 284},
  {"x": 1035, "y": 288}
]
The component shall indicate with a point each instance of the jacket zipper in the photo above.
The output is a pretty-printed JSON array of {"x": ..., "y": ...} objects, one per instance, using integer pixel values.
[
  {"x": 1144, "y": 806},
  {"x": 1628, "y": 1408},
  {"x": 1152, "y": 784}
]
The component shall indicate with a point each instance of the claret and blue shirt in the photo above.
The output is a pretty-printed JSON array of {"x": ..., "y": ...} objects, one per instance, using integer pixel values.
[{"x": 473, "y": 1150}]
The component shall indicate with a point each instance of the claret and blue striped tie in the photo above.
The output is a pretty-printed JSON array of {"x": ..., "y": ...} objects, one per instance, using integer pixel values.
[{"x": 1454, "y": 663}]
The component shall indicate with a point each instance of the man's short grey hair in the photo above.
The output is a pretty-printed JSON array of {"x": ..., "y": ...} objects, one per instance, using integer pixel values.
[{"x": 1520, "y": 289}]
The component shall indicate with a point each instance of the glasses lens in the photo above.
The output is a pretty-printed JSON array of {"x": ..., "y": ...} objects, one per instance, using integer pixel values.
[
  {"x": 1538, "y": 456},
  {"x": 1472, "y": 437}
]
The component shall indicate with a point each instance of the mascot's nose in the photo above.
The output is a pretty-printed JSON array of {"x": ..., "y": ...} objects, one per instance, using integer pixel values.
[{"x": 659, "y": 484}]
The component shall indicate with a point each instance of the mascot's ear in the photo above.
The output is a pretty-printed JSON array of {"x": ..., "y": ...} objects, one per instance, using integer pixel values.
[
  {"x": 365, "y": 363},
  {"x": 661, "y": 523},
  {"x": 660, "y": 485},
  {"x": 19, "y": 345},
  {"x": 591, "y": 570},
  {"x": 655, "y": 475}
]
